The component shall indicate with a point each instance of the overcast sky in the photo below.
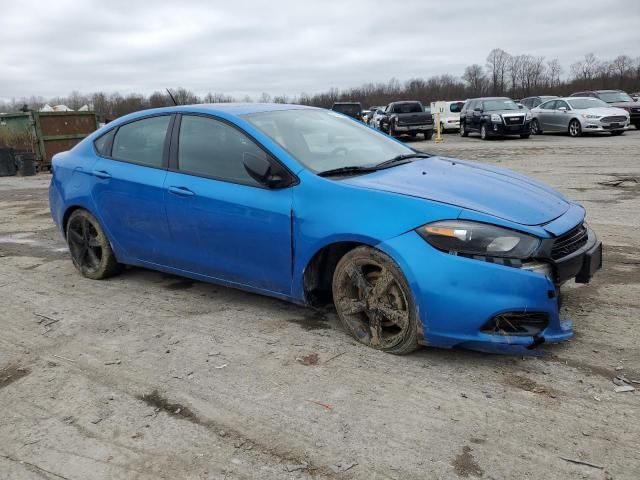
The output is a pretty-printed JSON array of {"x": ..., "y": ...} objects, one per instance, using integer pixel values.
[{"x": 243, "y": 47}]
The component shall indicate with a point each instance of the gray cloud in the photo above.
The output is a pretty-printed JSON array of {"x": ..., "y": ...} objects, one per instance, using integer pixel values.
[{"x": 247, "y": 47}]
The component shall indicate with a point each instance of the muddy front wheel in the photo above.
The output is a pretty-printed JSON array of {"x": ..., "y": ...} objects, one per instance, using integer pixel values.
[{"x": 374, "y": 301}]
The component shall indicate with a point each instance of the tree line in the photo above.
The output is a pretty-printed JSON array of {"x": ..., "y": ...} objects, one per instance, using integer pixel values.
[{"x": 503, "y": 74}]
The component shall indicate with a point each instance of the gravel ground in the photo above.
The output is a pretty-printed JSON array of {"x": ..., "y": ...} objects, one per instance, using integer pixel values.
[{"x": 151, "y": 376}]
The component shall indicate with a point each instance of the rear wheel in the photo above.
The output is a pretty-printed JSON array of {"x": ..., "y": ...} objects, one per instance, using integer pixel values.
[
  {"x": 428, "y": 134},
  {"x": 89, "y": 247},
  {"x": 374, "y": 301},
  {"x": 575, "y": 129},
  {"x": 463, "y": 130}
]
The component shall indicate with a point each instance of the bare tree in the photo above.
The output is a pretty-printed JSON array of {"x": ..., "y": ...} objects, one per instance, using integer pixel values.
[
  {"x": 497, "y": 63},
  {"x": 474, "y": 76}
]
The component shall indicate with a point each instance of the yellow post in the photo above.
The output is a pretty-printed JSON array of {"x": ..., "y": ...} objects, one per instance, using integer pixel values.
[{"x": 438, "y": 138}]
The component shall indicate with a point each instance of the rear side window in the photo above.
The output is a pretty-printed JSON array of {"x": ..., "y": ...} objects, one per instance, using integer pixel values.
[
  {"x": 211, "y": 148},
  {"x": 103, "y": 143},
  {"x": 142, "y": 142}
]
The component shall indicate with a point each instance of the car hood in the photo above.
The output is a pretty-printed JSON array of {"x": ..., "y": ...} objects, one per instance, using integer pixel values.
[
  {"x": 604, "y": 111},
  {"x": 625, "y": 104},
  {"x": 470, "y": 185}
]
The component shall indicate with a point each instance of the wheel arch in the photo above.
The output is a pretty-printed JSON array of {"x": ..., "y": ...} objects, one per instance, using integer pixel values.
[
  {"x": 67, "y": 215},
  {"x": 317, "y": 276}
]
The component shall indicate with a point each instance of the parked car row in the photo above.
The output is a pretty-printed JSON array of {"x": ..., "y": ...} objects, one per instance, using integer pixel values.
[{"x": 594, "y": 111}]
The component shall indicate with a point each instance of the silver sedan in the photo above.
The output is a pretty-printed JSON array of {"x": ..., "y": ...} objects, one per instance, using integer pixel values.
[{"x": 578, "y": 115}]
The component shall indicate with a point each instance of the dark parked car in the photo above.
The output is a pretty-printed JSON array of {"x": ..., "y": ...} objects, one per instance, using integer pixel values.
[
  {"x": 616, "y": 98},
  {"x": 533, "y": 102},
  {"x": 494, "y": 116},
  {"x": 351, "y": 109},
  {"x": 406, "y": 118}
]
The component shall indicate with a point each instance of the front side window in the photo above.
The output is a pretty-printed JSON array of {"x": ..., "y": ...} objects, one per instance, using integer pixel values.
[
  {"x": 211, "y": 148},
  {"x": 549, "y": 105},
  {"x": 323, "y": 140},
  {"x": 142, "y": 141}
]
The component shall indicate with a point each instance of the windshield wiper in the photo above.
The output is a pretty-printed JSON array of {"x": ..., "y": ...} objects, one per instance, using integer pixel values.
[
  {"x": 399, "y": 159},
  {"x": 346, "y": 170}
]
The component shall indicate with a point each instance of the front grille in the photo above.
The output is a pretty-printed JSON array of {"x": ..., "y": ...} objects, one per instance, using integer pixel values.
[
  {"x": 517, "y": 324},
  {"x": 613, "y": 119},
  {"x": 513, "y": 120},
  {"x": 569, "y": 242}
]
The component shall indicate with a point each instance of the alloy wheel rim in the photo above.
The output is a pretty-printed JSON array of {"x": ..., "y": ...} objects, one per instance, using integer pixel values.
[
  {"x": 84, "y": 244},
  {"x": 374, "y": 304},
  {"x": 573, "y": 129},
  {"x": 534, "y": 127}
]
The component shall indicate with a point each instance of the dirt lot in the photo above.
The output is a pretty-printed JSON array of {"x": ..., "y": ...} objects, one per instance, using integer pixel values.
[{"x": 151, "y": 376}]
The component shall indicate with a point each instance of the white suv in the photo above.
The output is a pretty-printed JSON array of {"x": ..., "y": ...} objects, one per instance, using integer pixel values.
[{"x": 449, "y": 114}]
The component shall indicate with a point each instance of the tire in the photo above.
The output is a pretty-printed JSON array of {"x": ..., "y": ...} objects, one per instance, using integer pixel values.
[
  {"x": 637, "y": 125},
  {"x": 575, "y": 129},
  {"x": 428, "y": 134},
  {"x": 525, "y": 135},
  {"x": 615, "y": 133},
  {"x": 484, "y": 135},
  {"x": 535, "y": 127},
  {"x": 89, "y": 247},
  {"x": 463, "y": 129},
  {"x": 392, "y": 130},
  {"x": 413, "y": 134},
  {"x": 442, "y": 130},
  {"x": 374, "y": 302}
]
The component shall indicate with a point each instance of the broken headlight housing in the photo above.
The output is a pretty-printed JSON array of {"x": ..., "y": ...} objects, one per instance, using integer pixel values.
[{"x": 474, "y": 238}]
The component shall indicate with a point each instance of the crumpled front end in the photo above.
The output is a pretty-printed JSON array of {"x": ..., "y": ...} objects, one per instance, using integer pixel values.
[{"x": 477, "y": 304}]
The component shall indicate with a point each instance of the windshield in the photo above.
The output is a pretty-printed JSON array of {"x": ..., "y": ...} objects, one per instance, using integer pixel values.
[
  {"x": 500, "y": 104},
  {"x": 582, "y": 103},
  {"x": 456, "y": 107},
  {"x": 611, "y": 97},
  {"x": 323, "y": 140},
  {"x": 347, "y": 108}
]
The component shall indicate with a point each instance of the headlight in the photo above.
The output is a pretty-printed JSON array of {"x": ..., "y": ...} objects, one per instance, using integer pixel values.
[
  {"x": 471, "y": 238},
  {"x": 496, "y": 118},
  {"x": 528, "y": 116},
  {"x": 588, "y": 115}
]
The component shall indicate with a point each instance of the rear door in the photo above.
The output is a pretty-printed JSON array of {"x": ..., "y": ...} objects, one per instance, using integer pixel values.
[
  {"x": 545, "y": 117},
  {"x": 128, "y": 189},
  {"x": 223, "y": 223}
]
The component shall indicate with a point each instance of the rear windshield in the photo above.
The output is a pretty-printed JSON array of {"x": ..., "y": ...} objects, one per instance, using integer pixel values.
[
  {"x": 456, "y": 107},
  {"x": 611, "y": 97},
  {"x": 413, "y": 107},
  {"x": 582, "y": 103},
  {"x": 348, "y": 108},
  {"x": 506, "y": 104}
]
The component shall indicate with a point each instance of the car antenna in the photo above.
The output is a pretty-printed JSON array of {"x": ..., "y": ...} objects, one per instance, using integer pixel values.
[{"x": 172, "y": 97}]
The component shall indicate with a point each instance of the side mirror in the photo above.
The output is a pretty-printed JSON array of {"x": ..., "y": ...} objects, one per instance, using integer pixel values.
[
  {"x": 563, "y": 109},
  {"x": 477, "y": 109},
  {"x": 260, "y": 169},
  {"x": 520, "y": 106}
]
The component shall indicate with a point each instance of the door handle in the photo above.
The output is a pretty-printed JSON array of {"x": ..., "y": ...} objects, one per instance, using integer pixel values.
[
  {"x": 182, "y": 191},
  {"x": 101, "y": 174}
]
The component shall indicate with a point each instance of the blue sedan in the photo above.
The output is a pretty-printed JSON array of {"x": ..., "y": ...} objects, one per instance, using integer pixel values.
[{"x": 309, "y": 206}]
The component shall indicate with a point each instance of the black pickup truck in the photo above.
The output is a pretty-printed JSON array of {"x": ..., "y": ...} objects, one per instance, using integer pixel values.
[{"x": 406, "y": 118}]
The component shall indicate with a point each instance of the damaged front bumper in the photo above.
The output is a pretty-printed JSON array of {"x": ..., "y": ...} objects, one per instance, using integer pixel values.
[{"x": 475, "y": 304}]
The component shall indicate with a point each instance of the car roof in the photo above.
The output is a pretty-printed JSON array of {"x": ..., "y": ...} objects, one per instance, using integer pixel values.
[{"x": 490, "y": 98}]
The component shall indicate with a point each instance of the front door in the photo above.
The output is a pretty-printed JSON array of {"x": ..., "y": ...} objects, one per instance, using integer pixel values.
[{"x": 223, "y": 223}]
